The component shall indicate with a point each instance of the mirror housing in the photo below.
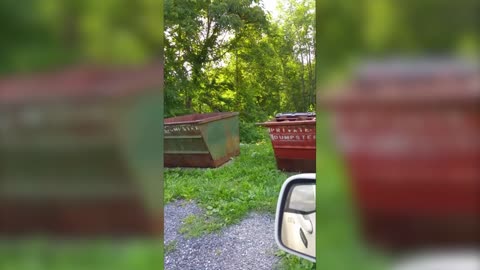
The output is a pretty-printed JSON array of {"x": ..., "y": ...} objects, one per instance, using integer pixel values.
[{"x": 295, "y": 217}]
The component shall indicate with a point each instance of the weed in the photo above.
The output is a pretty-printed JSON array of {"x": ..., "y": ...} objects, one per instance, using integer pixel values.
[
  {"x": 195, "y": 226},
  {"x": 288, "y": 261},
  {"x": 171, "y": 246}
]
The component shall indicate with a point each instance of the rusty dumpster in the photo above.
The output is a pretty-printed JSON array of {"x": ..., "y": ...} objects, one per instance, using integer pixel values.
[
  {"x": 81, "y": 152},
  {"x": 409, "y": 132},
  {"x": 204, "y": 140},
  {"x": 293, "y": 141}
]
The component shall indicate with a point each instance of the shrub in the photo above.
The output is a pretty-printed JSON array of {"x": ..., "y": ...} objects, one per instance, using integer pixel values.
[{"x": 251, "y": 133}]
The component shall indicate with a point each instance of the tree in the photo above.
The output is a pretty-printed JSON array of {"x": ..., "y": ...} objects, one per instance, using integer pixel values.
[{"x": 200, "y": 33}]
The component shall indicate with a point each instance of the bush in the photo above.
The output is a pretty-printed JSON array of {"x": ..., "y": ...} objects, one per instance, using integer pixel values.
[{"x": 251, "y": 133}]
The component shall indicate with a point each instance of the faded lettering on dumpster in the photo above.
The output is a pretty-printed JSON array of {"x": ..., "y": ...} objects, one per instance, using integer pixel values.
[
  {"x": 289, "y": 134},
  {"x": 180, "y": 129}
]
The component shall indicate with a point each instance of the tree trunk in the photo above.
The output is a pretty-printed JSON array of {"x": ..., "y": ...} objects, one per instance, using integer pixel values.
[
  {"x": 237, "y": 75},
  {"x": 304, "y": 94},
  {"x": 311, "y": 79}
]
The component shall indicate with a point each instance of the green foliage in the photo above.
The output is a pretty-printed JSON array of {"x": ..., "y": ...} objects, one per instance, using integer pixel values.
[
  {"x": 297, "y": 27},
  {"x": 251, "y": 133},
  {"x": 421, "y": 26},
  {"x": 27, "y": 41},
  {"x": 44, "y": 34},
  {"x": 292, "y": 262},
  {"x": 198, "y": 34},
  {"x": 121, "y": 32},
  {"x": 41, "y": 34},
  {"x": 237, "y": 61}
]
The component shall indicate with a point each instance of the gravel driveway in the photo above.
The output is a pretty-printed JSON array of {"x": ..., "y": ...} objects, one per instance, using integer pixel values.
[{"x": 249, "y": 244}]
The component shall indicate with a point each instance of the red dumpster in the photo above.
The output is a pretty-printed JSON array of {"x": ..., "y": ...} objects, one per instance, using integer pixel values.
[
  {"x": 409, "y": 132},
  {"x": 81, "y": 152},
  {"x": 293, "y": 141}
]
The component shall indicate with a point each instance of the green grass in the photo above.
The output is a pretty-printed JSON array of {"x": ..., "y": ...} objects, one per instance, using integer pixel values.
[
  {"x": 170, "y": 247},
  {"x": 42, "y": 254},
  {"x": 292, "y": 262},
  {"x": 195, "y": 226},
  {"x": 251, "y": 182}
]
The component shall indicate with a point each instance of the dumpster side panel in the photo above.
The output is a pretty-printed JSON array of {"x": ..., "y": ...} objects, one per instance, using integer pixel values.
[
  {"x": 293, "y": 145},
  {"x": 415, "y": 171},
  {"x": 222, "y": 139},
  {"x": 201, "y": 140},
  {"x": 66, "y": 169},
  {"x": 64, "y": 152},
  {"x": 404, "y": 232},
  {"x": 98, "y": 217},
  {"x": 142, "y": 148},
  {"x": 184, "y": 139},
  {"x": 185, "y": 146},
  {"x": 409, "y": 130}
]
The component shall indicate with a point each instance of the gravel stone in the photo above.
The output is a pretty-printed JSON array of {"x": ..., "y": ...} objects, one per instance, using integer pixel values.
[{"x": 249, "y": 244}]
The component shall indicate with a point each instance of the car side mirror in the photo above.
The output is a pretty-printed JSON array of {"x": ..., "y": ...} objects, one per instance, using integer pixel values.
[{"x": 295, "y": 216}]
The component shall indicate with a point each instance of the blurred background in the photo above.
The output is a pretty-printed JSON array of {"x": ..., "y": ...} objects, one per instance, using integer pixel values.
[
  {"x": 81, "y": 134},
  {"x": 40, "y": 35},
  {"x": 348, "y": 31},
  {"x": 110, "y": 49},
  {"x": 397, "y": 117}
]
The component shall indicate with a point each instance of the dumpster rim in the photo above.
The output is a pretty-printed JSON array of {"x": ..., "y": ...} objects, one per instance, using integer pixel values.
[
  {"x": 106, "y": 86},
  {"x": 356, "y": 100},
  {"x": 221, "y": 116},
  {"x": 286, "y": 123}
]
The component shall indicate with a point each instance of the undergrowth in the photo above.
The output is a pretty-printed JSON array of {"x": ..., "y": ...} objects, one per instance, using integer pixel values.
[{"x": 250, "y": 182}]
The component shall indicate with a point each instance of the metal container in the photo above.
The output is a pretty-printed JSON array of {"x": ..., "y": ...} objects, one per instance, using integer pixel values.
[
  {"x": 293, "y": 141},
  {"x": 205, "y": 140},
  {"x": 81, "y": 152},
  {"x": 410, "y": 133}
]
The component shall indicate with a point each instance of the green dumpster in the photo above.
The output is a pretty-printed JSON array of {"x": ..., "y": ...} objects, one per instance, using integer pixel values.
[{"x": 205, "y": 140}]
